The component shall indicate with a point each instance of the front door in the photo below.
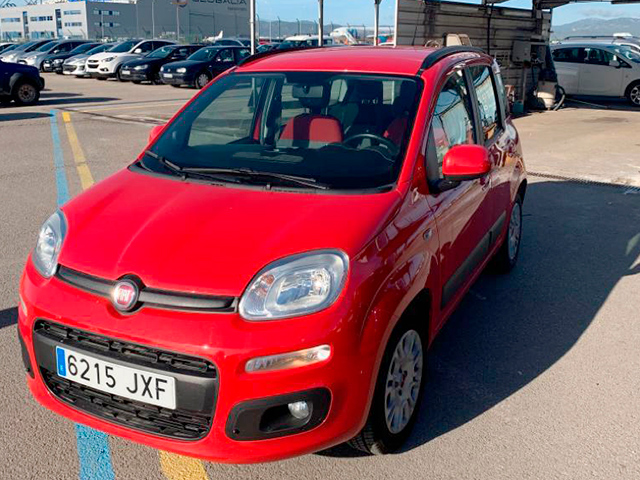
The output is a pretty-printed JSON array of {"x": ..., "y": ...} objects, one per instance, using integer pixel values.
[
  {"x": 463, "y": 213},
  {"x": 601, "y": 73}
]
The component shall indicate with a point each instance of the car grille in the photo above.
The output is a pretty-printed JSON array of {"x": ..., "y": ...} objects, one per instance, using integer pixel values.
[
  {"x": 179, "y": 424},
  {"x": 128, "y": 352},
  {"x": 69, "y": 68}
]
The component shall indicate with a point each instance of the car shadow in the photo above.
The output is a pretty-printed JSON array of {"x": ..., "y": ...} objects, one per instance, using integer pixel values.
[
  {"x": 579, "y": 241},
  {"x": 75, "y": 100},
  {"x": 49, "y": 94},
  {"x": 8, "y": 317},
  {"x": 599, "y": 103},
  {"x": 8, "y": 117}
]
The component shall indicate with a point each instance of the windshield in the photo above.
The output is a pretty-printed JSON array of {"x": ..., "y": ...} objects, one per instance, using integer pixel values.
[
  {"x": 628, "y": 53},
  {"x": 100, "y": 48},
  {"x": 204, "y": 54},
  {"x": 81, "y": 48},
  {"x": 343, "y": 131},
  {"x": 46, "y": 47},
  {"x": 163, "y": 52},
  {"x": 124, "y": 46},
  {"x": 24, "y": 46}
]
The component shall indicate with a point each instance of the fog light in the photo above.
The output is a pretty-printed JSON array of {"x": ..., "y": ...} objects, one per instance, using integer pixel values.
[{"x": 299, "y": 410}]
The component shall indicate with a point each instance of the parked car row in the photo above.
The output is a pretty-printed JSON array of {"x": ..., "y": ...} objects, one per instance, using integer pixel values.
[{"x": 155, "y": 61}]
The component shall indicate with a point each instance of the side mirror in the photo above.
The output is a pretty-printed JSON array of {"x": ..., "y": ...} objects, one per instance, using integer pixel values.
[
  {"x": 615, "y": 64},
  {"x": 466, "y": 162},
  {"x": 137, "y": 50},
  {"x": 155, "y": 131}
]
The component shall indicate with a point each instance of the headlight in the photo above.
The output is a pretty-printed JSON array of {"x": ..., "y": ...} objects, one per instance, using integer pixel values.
[
  {"x": 296, "y": 285},
  {"x": 108, "y": 59},
  {"x": 181, "y": 70},
  {"x": 50, "y": 238},
  {"x": 57, "y": 61},
  {"x": 141, "y": 67}
]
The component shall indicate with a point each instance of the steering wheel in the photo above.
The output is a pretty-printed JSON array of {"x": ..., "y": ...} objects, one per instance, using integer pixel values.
[{"x": 383, "y": 142}]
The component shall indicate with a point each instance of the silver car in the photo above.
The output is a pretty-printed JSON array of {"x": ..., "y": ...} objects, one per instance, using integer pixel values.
[{"x": 76, "y": 65}]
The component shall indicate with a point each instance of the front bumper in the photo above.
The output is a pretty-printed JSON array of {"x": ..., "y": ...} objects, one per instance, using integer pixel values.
[
  {"x": 101, "y": 70},
  {"x": 228, "y": 342},
  {"x": 134, "y": 75},
  {"x": 177, "y": 79}
]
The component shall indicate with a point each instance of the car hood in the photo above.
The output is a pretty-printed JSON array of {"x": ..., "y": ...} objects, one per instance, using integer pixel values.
[
  {"x": 188, "y": 64},
  {"x": 81, "y": 56},
  {"x": 100, "y": 56},
  {"x": 21, "y": 68},
  {"x": 143, "y": 61},
  {"x": 208, "y": 239}
]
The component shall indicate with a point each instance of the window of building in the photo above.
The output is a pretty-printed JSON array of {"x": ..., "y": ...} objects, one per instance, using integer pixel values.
[
  {"x": 72, "y": 24},
  {"x": 106, "y": 13},
  {"x": 72, "y": 12},
  {"x": 10, "y": 20},
  {"x": 44, "y": 18}
]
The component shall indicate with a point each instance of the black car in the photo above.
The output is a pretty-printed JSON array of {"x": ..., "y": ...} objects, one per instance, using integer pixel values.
[
  {"x": 147, "y": 68},
  {"x": 203, "y": 66},
  {"x": 20, "y": 83},
  {"x": 53, "y": 62}
]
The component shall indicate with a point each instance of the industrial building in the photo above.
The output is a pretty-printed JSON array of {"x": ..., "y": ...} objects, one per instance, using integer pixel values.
[{"x": 190, "y": 20}]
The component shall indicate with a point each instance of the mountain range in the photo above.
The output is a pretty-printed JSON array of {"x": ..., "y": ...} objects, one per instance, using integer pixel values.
[{"x": 596, "y": 26}]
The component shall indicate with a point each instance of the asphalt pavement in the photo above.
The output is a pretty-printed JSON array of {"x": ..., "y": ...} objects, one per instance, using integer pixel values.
[{"x": 534, "y": 377}]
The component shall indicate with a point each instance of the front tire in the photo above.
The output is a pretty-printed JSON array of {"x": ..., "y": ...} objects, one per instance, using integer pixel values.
[
  {"x": 398, "y": 393},
  {"x": 26, "y": 94},
  {"x": 202, "y": 80},
  {"x": 633, "y": 94},
  {"x": 507, "y": 257}
]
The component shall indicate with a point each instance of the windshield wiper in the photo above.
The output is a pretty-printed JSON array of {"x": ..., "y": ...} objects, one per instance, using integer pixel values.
[
  {"x": 168, "y": 164},
  {"x": 248, "y": 172}
]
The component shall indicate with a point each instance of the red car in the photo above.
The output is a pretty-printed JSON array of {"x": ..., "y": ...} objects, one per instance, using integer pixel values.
[{"x": 265, "y": 279}]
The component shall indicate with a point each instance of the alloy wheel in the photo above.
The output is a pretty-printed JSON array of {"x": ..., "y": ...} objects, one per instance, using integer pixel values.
[
  {"x": 515, "y": 230},
  {"x": 404, "y": 380},
  {"x": 202, "y": 80},
  {"x": 634, "y": 95}
]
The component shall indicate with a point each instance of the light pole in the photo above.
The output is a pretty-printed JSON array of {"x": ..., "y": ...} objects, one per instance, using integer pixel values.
[
  {"x": 252, "y": 25},
  {"x": 102, "y": 22},
  {"x": 137, "y": 22},
  {"x": 279, "y": 34},
  {"x": 177, "y": 22},
  {"x": 153, "y": 18},
  {"x": 321, "y": 23},
  {"x": 376, "y": 24}
]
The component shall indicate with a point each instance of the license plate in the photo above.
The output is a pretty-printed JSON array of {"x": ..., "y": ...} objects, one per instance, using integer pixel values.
[
  {"x": 168, "y": 75},
  {"x": 127, "y": 382},
  {"x": 126, "y": 72}
]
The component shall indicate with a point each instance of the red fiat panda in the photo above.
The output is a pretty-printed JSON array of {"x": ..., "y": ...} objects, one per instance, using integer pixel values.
[{"x": 265, "y": 279}]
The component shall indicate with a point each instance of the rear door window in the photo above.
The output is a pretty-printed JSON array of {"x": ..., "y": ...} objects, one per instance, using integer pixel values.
[
  {"x": 485, "y": 90},
  {"x": 569, "y": 55}
]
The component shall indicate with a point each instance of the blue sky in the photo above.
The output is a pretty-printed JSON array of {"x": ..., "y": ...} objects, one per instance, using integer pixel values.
[{"x": 359, "y": 11}]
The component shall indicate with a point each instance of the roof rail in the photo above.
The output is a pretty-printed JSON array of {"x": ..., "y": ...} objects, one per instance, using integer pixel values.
[
  {"x": 435, "y": 57},
  {"x": 275, "y": 51}
]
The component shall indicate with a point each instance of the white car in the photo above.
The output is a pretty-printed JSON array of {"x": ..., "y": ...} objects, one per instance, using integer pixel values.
[
  {"x": 76, "y": 65},
  {"x": 107, "y": 64},
  {"x": 598, "y": 69}
]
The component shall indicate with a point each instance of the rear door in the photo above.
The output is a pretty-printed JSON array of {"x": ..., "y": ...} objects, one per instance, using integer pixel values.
[
  {"x": 494, "y": 135},
  {"x": 601, "y": 73},
  {"x": 567, "y": 62},
  {"x": 462, "y": 213}
]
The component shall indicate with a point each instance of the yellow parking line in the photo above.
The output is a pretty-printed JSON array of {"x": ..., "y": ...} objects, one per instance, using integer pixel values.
[
  {"x": 178, "y": 467},
  {"x": 86, "y": 179}
]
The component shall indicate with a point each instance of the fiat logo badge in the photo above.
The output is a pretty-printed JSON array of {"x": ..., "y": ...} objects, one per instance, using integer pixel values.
[{"x": 125, "y": 295}]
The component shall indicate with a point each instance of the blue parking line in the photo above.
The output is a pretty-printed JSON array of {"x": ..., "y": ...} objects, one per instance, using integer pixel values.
[
  {"x": 58, "y": 161},
  {"x": 94, "y": 453}
]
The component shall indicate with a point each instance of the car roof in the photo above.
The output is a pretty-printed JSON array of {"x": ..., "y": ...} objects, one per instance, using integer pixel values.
[
  {"x": 392, "y": 60},
  {"x": 586, "y": 45}
]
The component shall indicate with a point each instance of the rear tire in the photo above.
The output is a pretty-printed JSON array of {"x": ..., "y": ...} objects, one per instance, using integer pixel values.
[
  {"x": 26, "y": 94},
  {"x": 398, "y": 393},
  {"x": 633, "y": 94},
  {"x": 136, "y": 82},
  {"x": 507, "y": 257},
  {"x": 118, "y": 76}
]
